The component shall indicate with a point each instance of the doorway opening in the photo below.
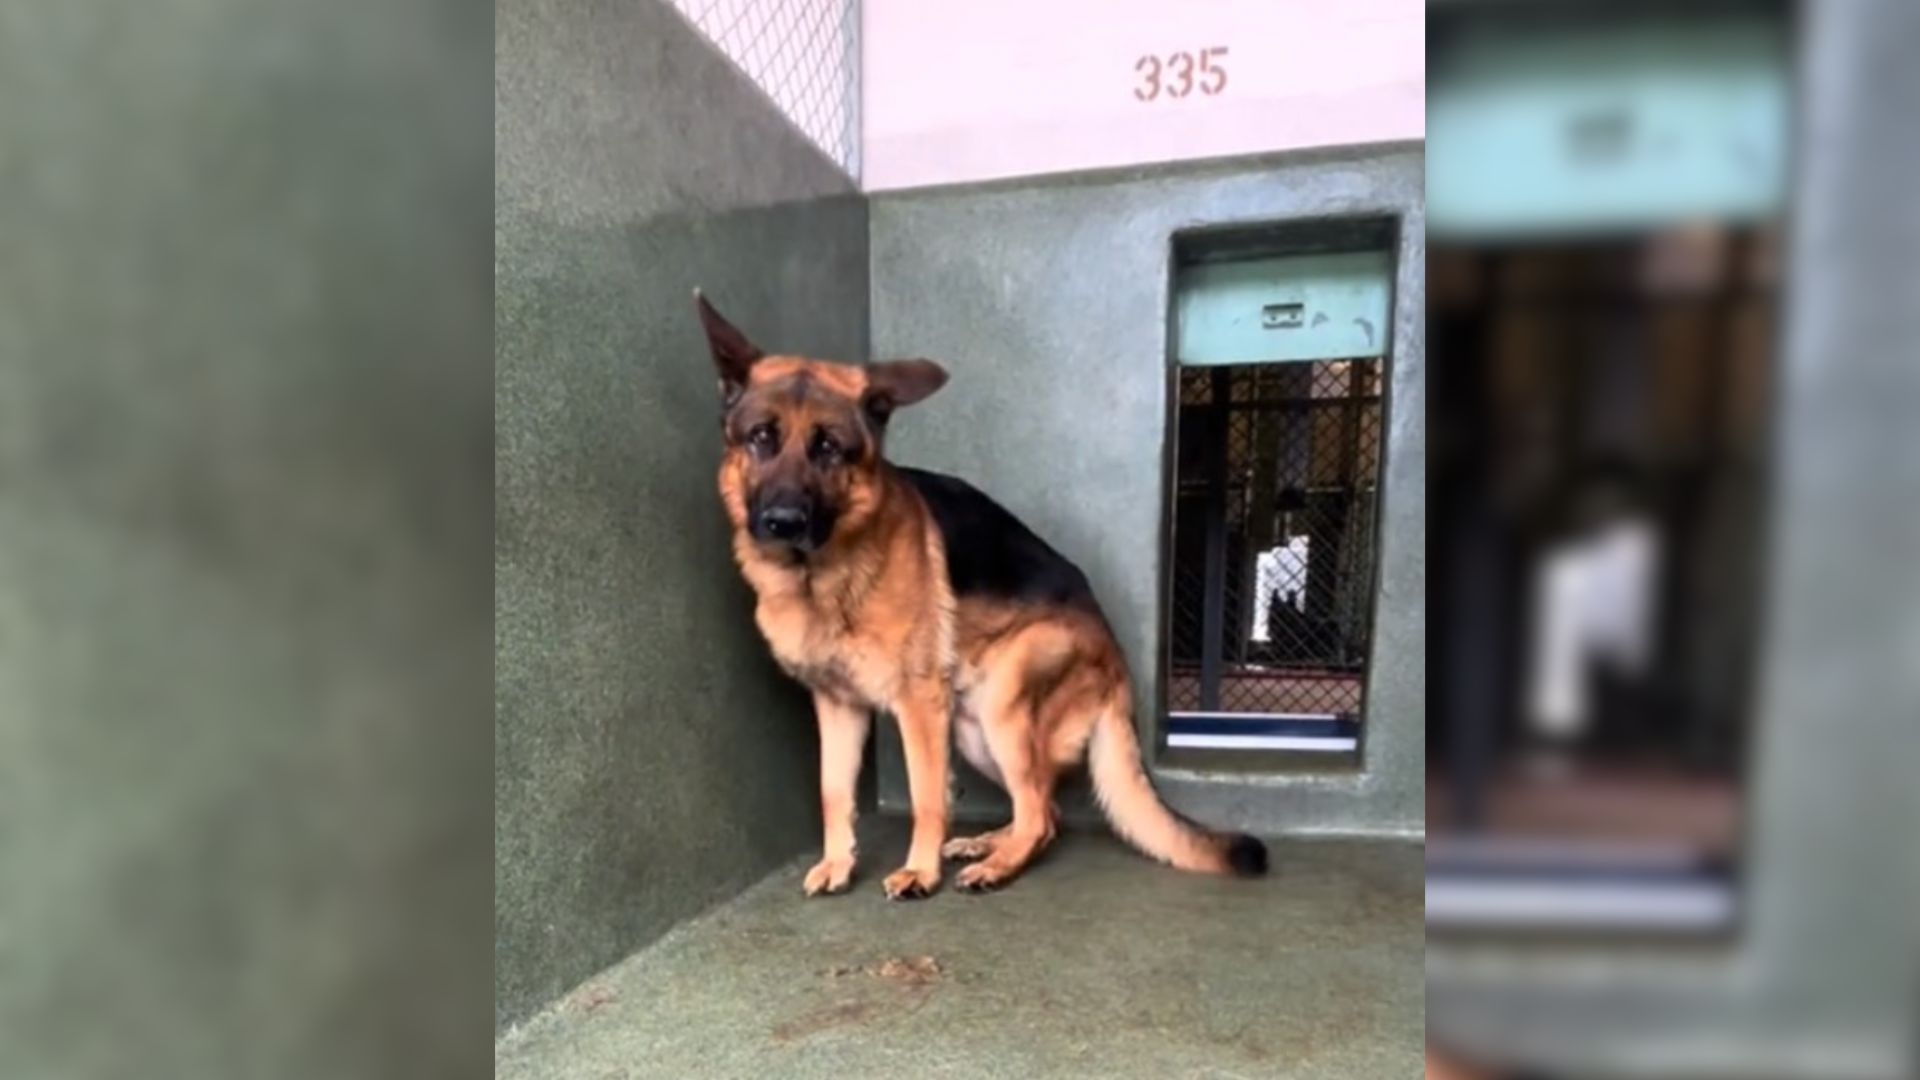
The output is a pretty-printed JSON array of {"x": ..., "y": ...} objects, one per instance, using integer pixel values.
[{"x": 1279, "y": 432}]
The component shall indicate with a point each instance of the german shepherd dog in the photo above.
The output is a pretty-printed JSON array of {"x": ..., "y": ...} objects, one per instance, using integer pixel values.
[{"x": 885, "y": 587}]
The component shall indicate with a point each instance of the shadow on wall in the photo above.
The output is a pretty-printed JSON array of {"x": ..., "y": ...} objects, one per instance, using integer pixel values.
[{"x": 650, "y": 759}]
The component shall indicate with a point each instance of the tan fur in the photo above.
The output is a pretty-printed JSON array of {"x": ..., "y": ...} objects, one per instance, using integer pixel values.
[
  {"x": 1049, "y": 689},
  {"x": 869, "y": 626},
  {"x": 869, "y": 621}
]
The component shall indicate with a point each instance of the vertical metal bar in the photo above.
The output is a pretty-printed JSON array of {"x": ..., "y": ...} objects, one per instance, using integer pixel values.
[
  {"x": 1350, "y": 426},
  {"x": 1214, "y": 597},
  {"x": 1474, "y": 626},
  {"x": 1473, "y": 686},
  {"x": 1268, "y": 425},
  {"x": 1344, "y": 645},
  {"x": 1697, "y": 648},
  {"x": 1326, "y": 558}
]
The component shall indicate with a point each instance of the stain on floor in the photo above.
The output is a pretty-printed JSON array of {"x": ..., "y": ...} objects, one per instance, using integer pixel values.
[{"x": 822, "y": 1018}]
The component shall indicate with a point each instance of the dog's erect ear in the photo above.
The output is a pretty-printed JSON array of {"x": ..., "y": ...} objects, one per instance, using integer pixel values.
[
  {"x": 892, "y": 384},
  {"x": 733, "y": 354}
]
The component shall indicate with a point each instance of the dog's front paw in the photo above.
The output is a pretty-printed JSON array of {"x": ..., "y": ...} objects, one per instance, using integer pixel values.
[
  {"x": 829, "y": 876},
  {"x": 907, "y": 883}
]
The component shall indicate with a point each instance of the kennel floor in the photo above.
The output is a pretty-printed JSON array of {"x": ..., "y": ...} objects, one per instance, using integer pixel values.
[{"x": 1096, "y": 963}]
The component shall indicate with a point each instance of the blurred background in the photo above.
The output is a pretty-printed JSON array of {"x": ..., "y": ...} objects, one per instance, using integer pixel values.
[
  {"x": 1674, "y": 702},
  {"x": 245, "y": 539}
]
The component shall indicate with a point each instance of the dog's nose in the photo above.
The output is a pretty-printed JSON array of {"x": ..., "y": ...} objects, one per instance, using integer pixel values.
[{"x": 783, "y": 522}]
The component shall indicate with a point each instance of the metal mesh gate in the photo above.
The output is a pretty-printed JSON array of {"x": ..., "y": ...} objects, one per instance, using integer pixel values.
[
  {"x": 1275, "y": 503},
  {"x": 804, "y": 53}
]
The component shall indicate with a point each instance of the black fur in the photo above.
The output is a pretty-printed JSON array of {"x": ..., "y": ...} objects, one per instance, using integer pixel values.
[
  {"x": 1247, "y": 855},
  {"x": 989, "y": 551}
]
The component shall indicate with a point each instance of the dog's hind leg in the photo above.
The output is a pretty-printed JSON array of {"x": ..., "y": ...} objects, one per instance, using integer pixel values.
[
  {"x": 1029, "y": 780},
  {"x": 971, "y": 740}
]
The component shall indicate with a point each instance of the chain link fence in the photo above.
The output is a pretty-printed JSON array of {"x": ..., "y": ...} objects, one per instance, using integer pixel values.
[
  {"x": 1274, "y": 537},
  {"x": 804, "y": 53}
]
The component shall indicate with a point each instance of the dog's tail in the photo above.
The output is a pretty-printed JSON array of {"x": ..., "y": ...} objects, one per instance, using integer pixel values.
[{"x": 1120, "y": 783}]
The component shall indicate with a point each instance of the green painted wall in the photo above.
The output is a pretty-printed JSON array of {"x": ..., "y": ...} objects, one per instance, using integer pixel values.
[
  {"x": 1049, "y": 302},
  {"x": 245, "y": 540},
  {"x": 650, "y": 759}
]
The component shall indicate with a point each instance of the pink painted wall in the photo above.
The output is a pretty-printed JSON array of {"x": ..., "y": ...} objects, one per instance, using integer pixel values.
[{"x": 963, "y": 90}]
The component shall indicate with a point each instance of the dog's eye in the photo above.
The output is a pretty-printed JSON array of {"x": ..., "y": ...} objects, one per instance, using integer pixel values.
[
  {"x": 763, "y": 438},
  {"x": 823, "y": 448}
]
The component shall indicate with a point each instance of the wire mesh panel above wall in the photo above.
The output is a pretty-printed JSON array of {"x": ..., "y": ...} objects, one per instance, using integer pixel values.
[{"x": 804, "y": 53}]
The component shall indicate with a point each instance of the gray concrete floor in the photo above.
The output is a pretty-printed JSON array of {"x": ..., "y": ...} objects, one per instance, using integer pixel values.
[{"x": 1096, "y": 963}]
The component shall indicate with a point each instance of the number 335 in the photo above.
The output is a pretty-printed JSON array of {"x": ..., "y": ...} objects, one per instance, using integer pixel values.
[{"x": 1180, "y": 74}]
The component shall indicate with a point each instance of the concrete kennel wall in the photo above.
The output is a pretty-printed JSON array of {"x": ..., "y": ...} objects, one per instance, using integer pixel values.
[
  {"x": 1048, "y": 301},
  {"x": 650, "y": 759}
]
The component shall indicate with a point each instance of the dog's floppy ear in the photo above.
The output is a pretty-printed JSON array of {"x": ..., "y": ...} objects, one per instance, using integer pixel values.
[
  {"x": 733, "y": 354},
  {"x": 892, "y": 384}
]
